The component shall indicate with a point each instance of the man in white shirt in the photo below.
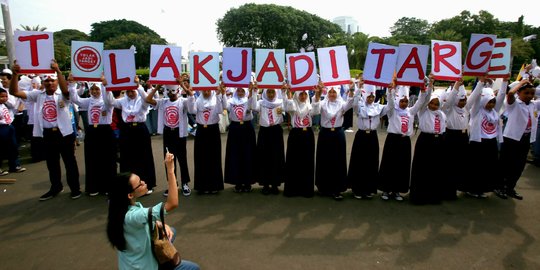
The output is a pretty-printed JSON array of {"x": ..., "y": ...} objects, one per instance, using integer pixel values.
[{"x": 53, "y": 123}]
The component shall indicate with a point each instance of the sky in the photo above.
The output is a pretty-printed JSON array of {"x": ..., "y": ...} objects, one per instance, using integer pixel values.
[{"x": 192, "y": 24}]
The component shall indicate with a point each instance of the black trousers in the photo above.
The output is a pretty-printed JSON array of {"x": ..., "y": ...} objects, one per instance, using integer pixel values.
[
  {"x": 177, "y": 147},
  {"x": 513, "y": 158},
  {"x": 55, "y": 146}
]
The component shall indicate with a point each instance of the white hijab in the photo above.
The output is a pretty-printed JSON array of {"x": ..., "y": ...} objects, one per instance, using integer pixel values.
[
  {"x": 274, "y": 103},
  {"x": 206, "y": 103},
  {"x": 237, "y": 100},
  {"x": 333, "y": 107},
  {"x": 401, "y": 92},
  {"x": 487, "y": 95},
  {"x": 303, "y": 107}
]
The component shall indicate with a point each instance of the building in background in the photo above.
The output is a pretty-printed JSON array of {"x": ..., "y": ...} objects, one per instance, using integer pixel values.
[{"x": 348, "y": 24}]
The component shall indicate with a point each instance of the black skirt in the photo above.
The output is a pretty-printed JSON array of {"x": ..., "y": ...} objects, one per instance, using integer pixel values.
[
  {"x": 331, "y": 164},
  {"x": 457, "y": 152},
  {"x": 207, "y": 161},
  {"x": 240, "y": 154},
  {"x": 363, "y": 173},
  {"x": 270, "y": 156},
  {"x": 136, "y": 152},
  {"x": 99, "y": 158},
  {"x": 484, "y": 175},
  {"x": 300, "y": 163},
  {"x": 428, "y": 169},
  {"x": 395, "y": 170}
]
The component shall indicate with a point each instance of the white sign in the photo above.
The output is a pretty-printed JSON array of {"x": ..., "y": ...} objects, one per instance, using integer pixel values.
[
  {"x": 334, "y": 65},
  {"x": 119, "y": 69},
  {"x": 34, "y": 51},
  {"x": 204, "y": 70},
  {"x": 165, "y": 64},
  {"x": 479, "y": 55},
  {"x": 302, "y": 71},
  {"x": 446, "y": 60},
  {"x": 412, "y": 64},
  {"x": 237, "y": 67},
  {"x": 380, "y": 64},
  {"x": 269, "y": 67},
  {"x": 500, "y": 59},
  {"x": 86, "y": 60}
]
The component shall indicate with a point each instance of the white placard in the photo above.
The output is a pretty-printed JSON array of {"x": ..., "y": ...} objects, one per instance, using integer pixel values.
[
  {"x": 165, "y": 64},
  {"x": 237, "y": 67},
  {"x": 269, "y": 68},
  {"x": 380, "y": 64},
  {"x": 446, "y": 60},
  {"x": 119, "y": 69},
  {"x": 301, "y": 71},
  {"x": 34, "y": 51},
  {"x": 334, "y": 65},
  {"x": 86, "y": 60},
  {"x": 412, "y": 64},
  {"x": 479, "y": 55},
  {"x": 500, "y": 59},
  {"x": 204, "y": 70}
]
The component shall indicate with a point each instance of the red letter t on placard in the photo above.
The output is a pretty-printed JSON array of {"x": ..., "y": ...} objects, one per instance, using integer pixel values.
[
  {"x": 33, "y": 46},
  {"x": 382, "y": 53}
]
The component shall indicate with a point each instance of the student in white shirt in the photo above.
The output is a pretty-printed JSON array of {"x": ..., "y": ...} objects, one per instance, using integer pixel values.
[
  {"x": 331, "y": 160},
  {"x": 429, "y": 152},
  {"x": 8, "y": 140},
  {"x": 363, "y": 171},
  {"x": 52, "y": 122},
  {"x": 300, "y": 157},
  {"x": 270, "y": 145},
  {"x": 99, "y": 141},
  {"x": 395, "y": 169},
  {"x": 207, "y": 147},
  {"x": 135, "y": 143},
  {"x": 172, "y": 122},
  {"x": 519, "y": 133},
  {"x": 485, "y": 135},
  {"x": 241, "y": 142}
]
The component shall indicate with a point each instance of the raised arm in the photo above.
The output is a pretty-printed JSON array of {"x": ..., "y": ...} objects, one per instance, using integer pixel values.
[
  {"x": 500, "y": 95},
  {"x": 14, "y": 84},
  {"x": 172, "y": 199},
  {"x": 150, "y": 97},
  {"x": 61, "y": 80},
  {"x": 510, "y": 97}
]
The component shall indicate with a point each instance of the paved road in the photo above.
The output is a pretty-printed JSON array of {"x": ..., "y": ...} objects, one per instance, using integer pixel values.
[{"x": 253, "y": 231}]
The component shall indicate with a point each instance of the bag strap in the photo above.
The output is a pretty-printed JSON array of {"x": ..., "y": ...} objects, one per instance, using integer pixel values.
[{"x": 151, "y": 231}]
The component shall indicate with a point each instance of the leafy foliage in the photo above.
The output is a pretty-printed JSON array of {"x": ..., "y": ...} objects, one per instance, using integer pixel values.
[{"x": 62, "y": 45}]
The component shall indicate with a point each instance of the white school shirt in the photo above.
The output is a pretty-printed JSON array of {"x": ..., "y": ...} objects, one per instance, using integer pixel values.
[
  {"x": 51, "y": 111},
  {"x": 209, "y": 115},
  {"x": 521, "y": 119},
  {"x": 6, "y": 110},
  {"x": 402, "y": 121},
  {"x": 368, "y": 115},
  {"x": 334, "y": 120},
  {"x": 133, "y": 110},
  {"x": 480, "y": 126},
  {"x": 98, "y": 112},
  {"x": 298, "y": 120},
  {"x": 267, "y": 116},
  {"x": 173, "y": 114},
  {"x": 456, "y": 118},
  {"x": 239, "y": 112},
  {"x": 432, "y": 122}
]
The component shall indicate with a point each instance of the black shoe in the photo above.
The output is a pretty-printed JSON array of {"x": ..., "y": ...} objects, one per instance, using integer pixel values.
[
  {"x": 246, "y": 188},
  {"x": 500, "y": 193},
  {"x": 274, "y": 190},
  {"x": 266, "y": 190},
  {"x": 76, "y": 194},
  {"x": 238, "y": 188},
  {"x": 49, "y": 195},
  {"x": 338, "y": 197},
  {"x": 513, "y": 194}
]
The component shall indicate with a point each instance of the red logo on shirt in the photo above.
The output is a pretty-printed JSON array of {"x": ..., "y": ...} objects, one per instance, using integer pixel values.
[
  {"x": 404, "y": 124},
  {"x": 333, "y": 121},
  {"x": 488, "y": 127},
  {"x": 206, "y": 115},
  {"x": 171, "y": 116},
  {"x": 239, "y": 111},
  {"x": 304, "y": 122},
  {"x": 7, "y": 116},
  {"x": 130, "y": 118},
  {"x": 49, "y": 111},
  {"x": 270, "y": 117},
  {"x": 437, "y": 124},
  {"x": 94, "y": 114}
]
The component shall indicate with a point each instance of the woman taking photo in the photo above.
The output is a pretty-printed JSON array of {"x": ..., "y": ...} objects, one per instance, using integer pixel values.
[{"x": 127, "y": 227}]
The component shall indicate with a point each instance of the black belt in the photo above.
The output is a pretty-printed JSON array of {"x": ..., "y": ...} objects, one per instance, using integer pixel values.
[
  {"x": 170, "y": 128},
  {"x": 134, "y": 124},
  {"x": 456, "y": 130},
  {"x": 206, "y": 126},
  {"x": 331, "y": 129},
  {"x": 50, "y": 129},
  {"x": 366, "y": 131}
]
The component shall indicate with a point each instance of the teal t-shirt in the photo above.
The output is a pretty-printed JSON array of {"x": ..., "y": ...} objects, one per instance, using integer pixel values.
[{"x": 138, "y": 254}]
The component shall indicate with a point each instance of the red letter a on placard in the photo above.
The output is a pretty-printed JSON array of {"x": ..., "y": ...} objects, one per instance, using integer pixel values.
[
  {"x": 270, "y": 59},
  {"x": 166, "y": 55},
  {"x": 409, "y": 64},
  {"x": 33, "y": 46}
]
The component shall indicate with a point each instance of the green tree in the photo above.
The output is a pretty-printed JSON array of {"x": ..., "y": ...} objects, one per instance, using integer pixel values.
[
  {"x": 410, "y": 30},
  {"x": 62, "y": 45},
  {"x": 273, "y": 26},
  {"x": 122, "y": 34}
]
